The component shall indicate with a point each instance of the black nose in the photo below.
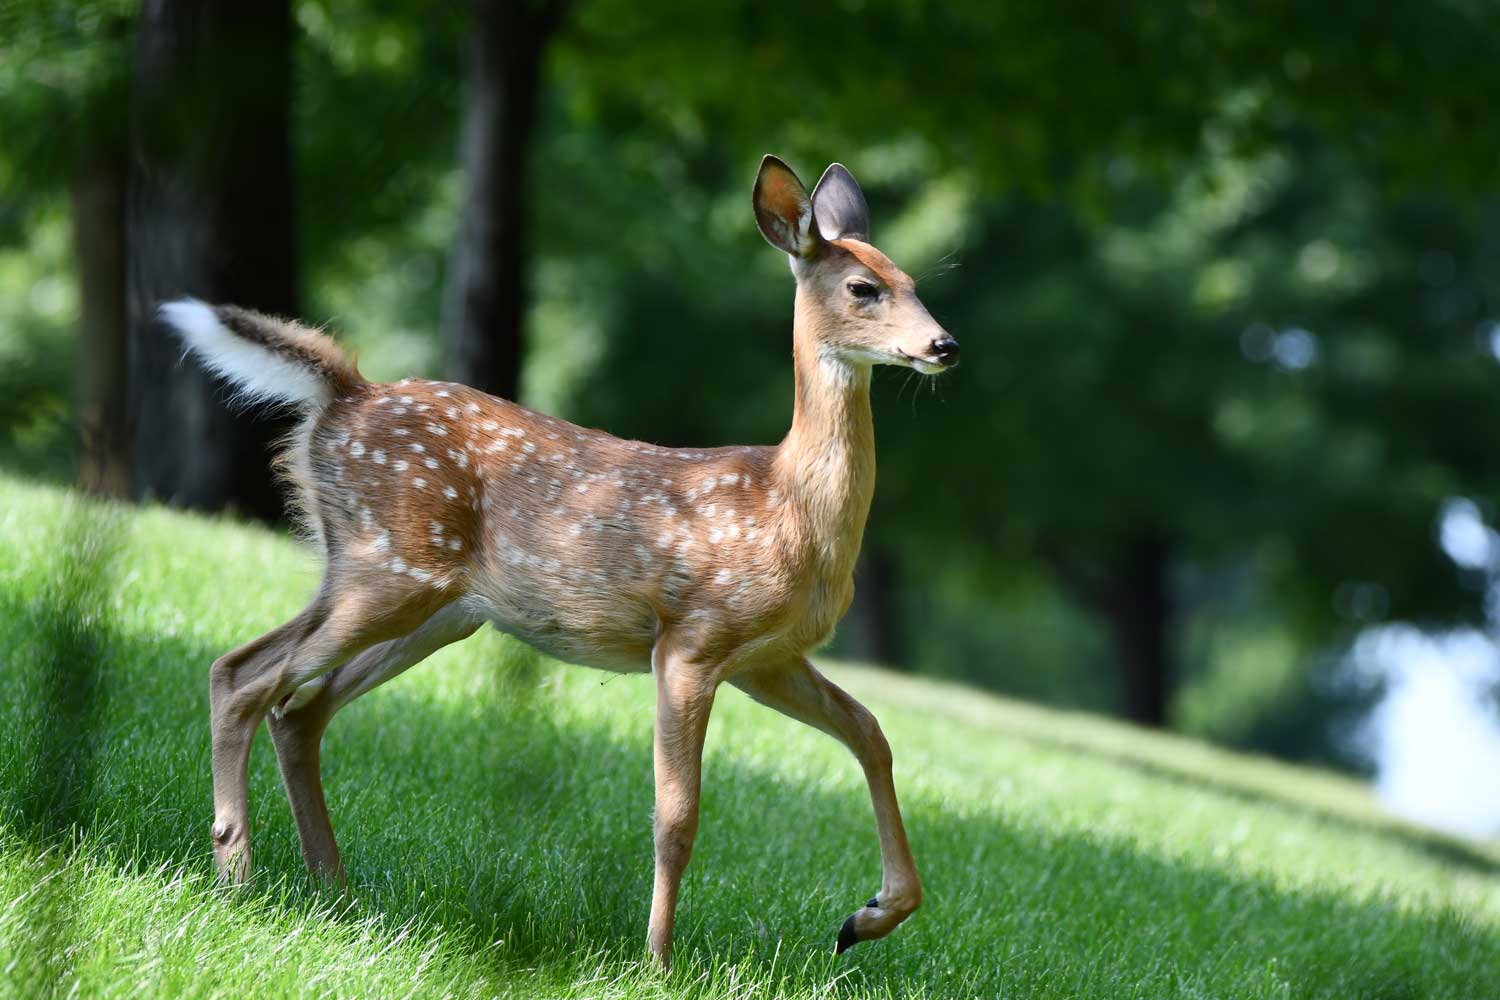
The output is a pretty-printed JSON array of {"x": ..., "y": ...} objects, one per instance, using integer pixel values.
[{"x": 946, "y": 350}]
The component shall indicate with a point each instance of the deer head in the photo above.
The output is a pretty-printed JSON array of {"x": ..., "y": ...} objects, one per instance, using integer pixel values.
[{"x": 859, "y": 308}]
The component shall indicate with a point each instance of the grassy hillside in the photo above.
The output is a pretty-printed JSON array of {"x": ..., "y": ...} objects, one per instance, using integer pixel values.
[{"x": 495, "y": 816}]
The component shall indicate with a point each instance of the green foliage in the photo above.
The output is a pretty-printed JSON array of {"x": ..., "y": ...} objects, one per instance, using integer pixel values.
[
  {"x": 63, "y": 68},
  {"x": 498, "y": 838},
  {"x": 37, "y": 308},
  {"x": 1126, "y": 214}
]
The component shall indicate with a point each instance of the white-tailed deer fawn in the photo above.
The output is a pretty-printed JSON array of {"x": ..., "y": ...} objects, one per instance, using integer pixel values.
[{"x": 440, "y": 508}]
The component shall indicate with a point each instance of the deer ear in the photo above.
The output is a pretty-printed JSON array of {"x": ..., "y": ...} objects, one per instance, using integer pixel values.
[
  {"x": 840, "y": 206},
  {"x": 783, "y": 210}
]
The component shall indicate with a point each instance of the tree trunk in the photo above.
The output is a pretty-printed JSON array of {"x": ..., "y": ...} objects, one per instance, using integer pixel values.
[
  {"x": 1137, "y": 604},
  {"x": 485, "y": 299},
  {"x": 1128, "y": 585},
  {"x": 98, "y": 204},
  {"x": 871, "y": 630},
  {"x": 210, "y": 215}
]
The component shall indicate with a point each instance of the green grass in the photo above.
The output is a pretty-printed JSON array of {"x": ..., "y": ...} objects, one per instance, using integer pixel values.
[{"x": 495, "y": 816}]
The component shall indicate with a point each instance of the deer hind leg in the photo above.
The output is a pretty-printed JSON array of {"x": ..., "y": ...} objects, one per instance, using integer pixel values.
[
  {"x": 800, "y": 692},
  {"x": 246, "y": 683},
  {"x": 297, "y": 730},
  {"x": 684, "y": 698}
]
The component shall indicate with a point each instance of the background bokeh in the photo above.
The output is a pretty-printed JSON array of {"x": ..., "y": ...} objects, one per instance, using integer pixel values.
[{"x": 1227, "y": 279}]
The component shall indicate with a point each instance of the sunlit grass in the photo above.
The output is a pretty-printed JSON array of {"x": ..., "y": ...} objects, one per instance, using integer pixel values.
[{"x": 495, "y": 817}]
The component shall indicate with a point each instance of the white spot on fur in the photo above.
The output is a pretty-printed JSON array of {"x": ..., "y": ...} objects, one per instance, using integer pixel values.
[
  {"x": 723, "y": 576},
  {"x": 450, "y": 493},
  {"x": 382, "y": 541},
  {"x": 378, "y": 456},
  {"x": 455, "y": 543},
  {"x": 397, "y": 566},
  {"x": 419, "y": 482},
  {"x": 357, "y": 449},
  {"x": 431, "y": 463},
  {"x": 400, "y": 465}
]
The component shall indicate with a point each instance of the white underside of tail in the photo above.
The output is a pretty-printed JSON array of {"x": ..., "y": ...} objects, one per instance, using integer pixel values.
[{"x": 259, "y": 375}]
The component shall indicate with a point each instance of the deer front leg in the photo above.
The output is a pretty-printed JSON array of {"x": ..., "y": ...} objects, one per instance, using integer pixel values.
[
  {"x": 800, "y": 692},
  {"x": 684, "y": 698}
]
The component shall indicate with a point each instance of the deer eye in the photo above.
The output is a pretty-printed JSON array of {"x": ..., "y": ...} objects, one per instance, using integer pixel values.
[{"x": 863, "y": 291}]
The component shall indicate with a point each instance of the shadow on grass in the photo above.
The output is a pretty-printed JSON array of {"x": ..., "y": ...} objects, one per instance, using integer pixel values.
[
  {"x": 57, "y": 653},
  {"x": 553, "y": 859}
]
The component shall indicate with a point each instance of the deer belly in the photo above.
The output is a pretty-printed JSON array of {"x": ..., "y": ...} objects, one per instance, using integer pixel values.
[{"x": 607, "y": 637}]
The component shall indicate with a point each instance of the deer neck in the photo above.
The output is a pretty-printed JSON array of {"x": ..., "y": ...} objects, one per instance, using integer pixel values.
[{"x": 826, "y": 464}]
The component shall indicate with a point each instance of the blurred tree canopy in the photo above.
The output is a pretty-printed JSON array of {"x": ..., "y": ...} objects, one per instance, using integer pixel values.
[{"x": 1225, "y": 277}]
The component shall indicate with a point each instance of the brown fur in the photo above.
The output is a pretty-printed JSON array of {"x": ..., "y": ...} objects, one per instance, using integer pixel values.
[{"x": 292, "y": 340}]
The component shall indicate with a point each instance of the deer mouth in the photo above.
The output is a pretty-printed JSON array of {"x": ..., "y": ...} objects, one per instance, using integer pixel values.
[{"x": 927, "y": 366}]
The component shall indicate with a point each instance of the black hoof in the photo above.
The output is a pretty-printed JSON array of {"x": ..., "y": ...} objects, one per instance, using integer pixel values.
[
  {"x": 874, "y": 902},
  {"x": 847, "y": 938}
]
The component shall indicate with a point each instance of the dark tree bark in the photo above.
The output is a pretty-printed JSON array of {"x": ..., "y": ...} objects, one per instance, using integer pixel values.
[
  {"x": 1129, "y": 587},
  {"x": 871, "y": 630},
  {"x": 486, "y": 292},
  {"x": 98, "y": 204},
  {"x": 1138, "y": 608},
  {"x": 210, "y": 215}
]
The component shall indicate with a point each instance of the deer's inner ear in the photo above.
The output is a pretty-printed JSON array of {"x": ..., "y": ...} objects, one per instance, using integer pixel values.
[{"x": 783, "y": 211}]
